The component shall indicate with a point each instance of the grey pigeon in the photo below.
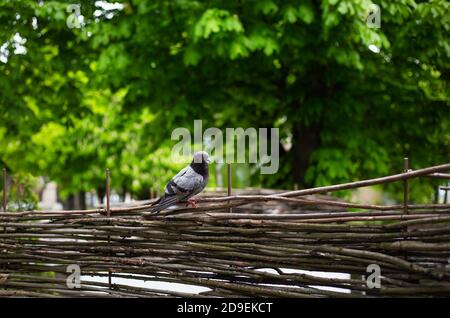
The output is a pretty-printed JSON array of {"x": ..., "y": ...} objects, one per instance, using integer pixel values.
[{"x": 190, "y": 181}]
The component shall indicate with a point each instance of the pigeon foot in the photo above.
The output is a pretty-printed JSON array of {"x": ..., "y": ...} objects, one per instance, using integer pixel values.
[{"x": 192, "y": 202}]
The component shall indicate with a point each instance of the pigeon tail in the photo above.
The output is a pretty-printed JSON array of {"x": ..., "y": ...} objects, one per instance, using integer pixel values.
[{"x": 163, "y": 203}]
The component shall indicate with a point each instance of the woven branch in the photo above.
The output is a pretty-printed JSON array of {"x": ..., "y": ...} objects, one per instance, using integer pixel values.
[{"x": 232, "y": 255}]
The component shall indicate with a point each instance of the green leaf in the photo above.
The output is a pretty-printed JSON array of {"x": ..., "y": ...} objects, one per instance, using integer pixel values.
[
  {"x": 267, "y": 6},
  {"x": 191, "y": 56},
  {"x": 237, "y": 49},
  {"x": 306, "y": 13},
  {"x": 290, "y": 14}
]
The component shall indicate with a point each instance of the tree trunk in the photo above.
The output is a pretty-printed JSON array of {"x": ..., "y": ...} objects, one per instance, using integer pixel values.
[
  {"x": 306, "y": 138},
  {"x": 69, "y": 203},
  {"x": 81, "y": 200},
  {"x": 75, "y": 201},
  {"x": 101, "y": 192},
  {"x": 143, "y": 194},
  {"x": 123, "y": 193},
  {"x": 305, "y": 141}
]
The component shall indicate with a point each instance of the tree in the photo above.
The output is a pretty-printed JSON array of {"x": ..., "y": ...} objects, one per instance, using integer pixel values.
[{"x": 350, "y": 99}]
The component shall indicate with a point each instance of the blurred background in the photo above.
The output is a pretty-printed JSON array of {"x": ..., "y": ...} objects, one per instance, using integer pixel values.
[{"x": 89, "y": 85}]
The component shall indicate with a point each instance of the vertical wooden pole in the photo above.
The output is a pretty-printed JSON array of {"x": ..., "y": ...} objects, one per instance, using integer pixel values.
[
  {"x": 4, "y": 203},
  {"x": 405, "y": 196},
  {"x": 229, "y": 184},
  {"x": 4, "y": 189},
  {"x": 108, "y": 213},
  {"x": 436, "y": 196},
  {"x": 405, "y": 186},
  {"x": 108, "y": 193}
]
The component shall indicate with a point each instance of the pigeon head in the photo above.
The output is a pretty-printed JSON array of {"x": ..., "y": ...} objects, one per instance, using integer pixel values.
[
  {"x": 201, "y": 157},
  {"x": 200, "y": 163}
]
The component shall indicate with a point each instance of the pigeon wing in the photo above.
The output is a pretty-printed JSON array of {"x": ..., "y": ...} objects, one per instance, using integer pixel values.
[
  {"x": 188, "y": 182},
  {"x": 172, "y": 187},
  {"x": 184, "y": 185}
]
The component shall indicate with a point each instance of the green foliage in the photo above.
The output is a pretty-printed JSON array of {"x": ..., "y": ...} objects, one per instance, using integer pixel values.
[
  {"x": 109, "y": 94},
  {"x": 21, "y": 194}
]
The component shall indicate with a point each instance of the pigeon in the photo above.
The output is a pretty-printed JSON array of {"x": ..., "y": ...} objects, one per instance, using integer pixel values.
[{"x": 190, "y": 181}]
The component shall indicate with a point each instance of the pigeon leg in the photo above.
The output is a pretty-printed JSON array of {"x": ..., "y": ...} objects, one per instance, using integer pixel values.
[{"x": 192, "y": 202}]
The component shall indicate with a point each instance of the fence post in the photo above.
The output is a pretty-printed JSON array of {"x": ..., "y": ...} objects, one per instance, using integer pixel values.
[
  {"x": 446, "y": 189},
  {"x": 108, "y": 214},
  {"x": 405, "y": 186},
  {"x": 108, "y": 193},
  {"x": 4, "y": 189},
  {"x": 4, "y": 202},
  {"x": 229, "y": 184},
  {"x": 405, "y": 196}
]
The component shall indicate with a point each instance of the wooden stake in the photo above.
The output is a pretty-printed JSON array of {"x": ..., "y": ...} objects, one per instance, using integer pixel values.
[
  {"x": 5, "y": 180},
  {"x": 108, "y": 213},
  {"x": 108, "y": 193},
  {"x": 405, "y": 186},
  {"x": 229, "y": 183},
  {"x": 4, "y": 189}
]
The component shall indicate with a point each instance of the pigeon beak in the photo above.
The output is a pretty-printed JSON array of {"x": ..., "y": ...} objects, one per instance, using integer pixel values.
[{"x": 208, "y": 160}]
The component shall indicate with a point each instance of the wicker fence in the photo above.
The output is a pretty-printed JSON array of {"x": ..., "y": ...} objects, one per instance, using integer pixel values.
[{"x": 234, "y": 254}]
